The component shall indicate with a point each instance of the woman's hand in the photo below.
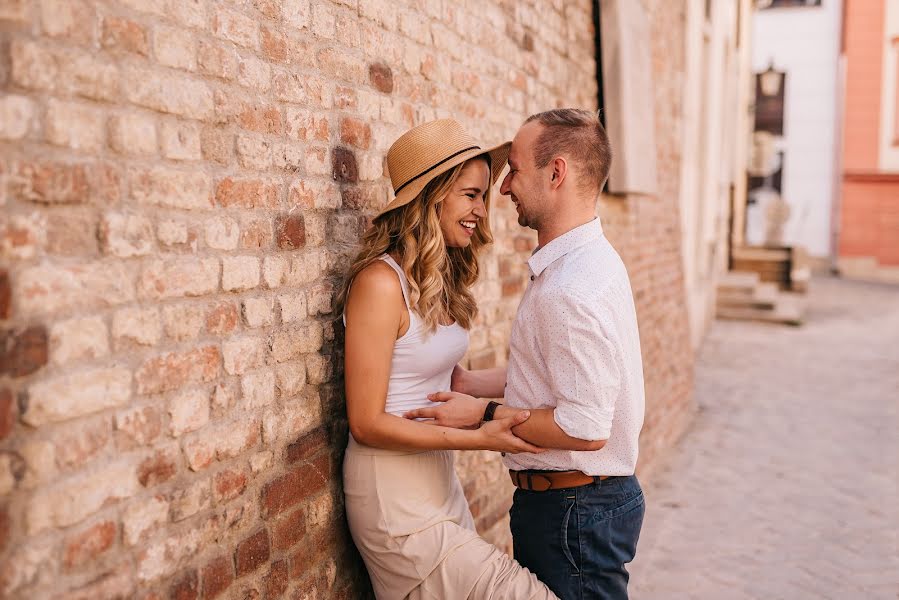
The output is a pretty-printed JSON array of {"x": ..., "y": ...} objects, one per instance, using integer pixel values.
[
  {"x": 457, "y": 410},
  {"x": 498, "y": 436}
]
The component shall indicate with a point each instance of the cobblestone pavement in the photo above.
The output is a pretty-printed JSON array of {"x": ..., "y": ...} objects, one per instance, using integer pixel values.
[{"x": 787, "y": 486}]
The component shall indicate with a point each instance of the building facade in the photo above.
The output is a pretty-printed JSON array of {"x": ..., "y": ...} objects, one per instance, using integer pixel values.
[
  {"x": 867, "y": 236},
  {"x": 182, "y": 186}
]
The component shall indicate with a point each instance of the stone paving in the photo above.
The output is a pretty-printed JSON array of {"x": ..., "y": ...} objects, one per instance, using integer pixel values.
[{"x": 787, "y": 486}]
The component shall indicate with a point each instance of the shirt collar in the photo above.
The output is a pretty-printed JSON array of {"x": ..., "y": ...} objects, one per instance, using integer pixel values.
[{"x": 562, "y": 245}]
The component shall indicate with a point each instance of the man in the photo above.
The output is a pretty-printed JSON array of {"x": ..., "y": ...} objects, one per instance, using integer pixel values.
[{"x": 574, "y": 363}]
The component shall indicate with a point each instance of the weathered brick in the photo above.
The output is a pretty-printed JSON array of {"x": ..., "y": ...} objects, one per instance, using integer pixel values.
[
  {"x": 179, "y": 277},
  {"x": 15, "y": 11},
  {"x": 289, "y": 343},
  {"x": 216, "y": 60},
  {"x": 221, "y": 319},
  {"x": 275, "y": 46},
  {"x": 243, "y": 354},
  {"x": 183, "y": 321},
  {"x": 277, "y": 579},
  {"x": 235, "y": 27},
  {"x": 228, "y": 484},
  {"x": 316, "y": 162},
  {"x": 159, "y": 186},
  {"x": 22, "y": 236},
  {"x": 137, "y": 427},
  {"x": 77, "y": 394},
  {"x": 308, "y": 445},
  {"x": 290, "y": 378},
  {"x": 258, "y": 312},
  {"x": 181, "y": 140},
  {"x": 5, "y": 295},
  {"x": 23, "y": 351},
  {"x": 123, "y": 35},
  {"x": 125, "y": 234},
  {"x": 297, "y": 417},
  {"x": 175, "y": 47},
  {"x": 291, "y": 231},
  {"x": 8, "y": 411},
  {"x": 12, "y": 471},
  {"x": 69, "y": 501},
  {"x": 216, "y": 144},
  {"x": 260, "y": 118},
  {"x": 258, "y": 389},
  {"x": 274, "y": 271},
  {"x": 318, "y": 369},
  {"x": 16, "y": 116},
  {"x": 186, "y": 587},
  {"x": 240, "y": 273},
  {"x": 178, "y": 234},
  {"x": 168, "y": 92},
  {"x": 157, "y": 468},
  {"x": 256, "y": 234},
  {"x": 292, "y": 307},
  {"x": 189, "y": 501},
  {"x": 188, "y": 411},
  {"x": 133, "y": 133},
  {"x": 77, "y": 446},
  {"x": 253, "y": 152},
  {"x": 142, "y": 517},
  {"x": 247, "y": 193},
  {"x": 288, "y": 531},
  {"x": 72, "y": 19},
  {"x": 254, "y": 73},
  {"x": 306, "y": 125},
  {"x": 77, "y": 339},
  {"x": 252, "y": 553},
  {"x": 288, "y": 490},
  {"x": 343, "y": 166},
  {"x": 175, "y": 369},
  {"x": 218, "y": 575},
  {"x": 88, "y": 544}
]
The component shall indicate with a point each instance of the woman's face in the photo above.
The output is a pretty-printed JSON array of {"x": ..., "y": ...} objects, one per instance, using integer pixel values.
[{"x": 464, "y": 205}]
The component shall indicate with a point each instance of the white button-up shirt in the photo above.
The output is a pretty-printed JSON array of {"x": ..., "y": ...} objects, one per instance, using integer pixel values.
[{"x": 575, "y": 347}]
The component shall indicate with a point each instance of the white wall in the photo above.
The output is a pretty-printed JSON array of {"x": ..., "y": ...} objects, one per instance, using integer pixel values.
[
  {"x": 804, "y": 42},
  {"x": 889, "y": 149}
]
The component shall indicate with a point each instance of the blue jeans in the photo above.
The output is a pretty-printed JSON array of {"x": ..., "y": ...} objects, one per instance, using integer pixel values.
[{"x": 577, "y": 540}]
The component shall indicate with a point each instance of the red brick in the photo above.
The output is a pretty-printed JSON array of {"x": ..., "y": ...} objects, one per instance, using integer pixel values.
[
  {"x": 308, "y": 445},
  {"x": 157, "y": 469},
  {"x": 274, "y": 46},
  {"x": 89, "y": 544},
  {"x": 51, "y": 183},
  {"x": 8, "y": 410},
  {"x": 186, "y": 587},
  {"x": 137, "y": 427},
  {"x": 217, "y": 61},
  {"x": 355, "y": 132},
  {"x": 5, "y": 295},
  {"x": 295, "y": 486},
  {"x": 262, "y": 119},
  {"x": 124, "y": 35},
  {"x": 4, "y": 527},
  {"x": 217, "y": 576},
  {"x": 252, "y": 553},
  {"x": 289, "y": 530},
  {"x": 173, "y": 370},
  {"x": 229, "y": 485},
  {"x": 247, "y": 193},
  {"x": 23, "y": 352},
  {"x": 291, "y": 232},
  {"x": 256, "y": 234},
  {"x": 343, "y": 166},
  {"x": 381, "y": 77},
  {"x": 222, "y": 318},
  {"x": 277, "y": 579}
]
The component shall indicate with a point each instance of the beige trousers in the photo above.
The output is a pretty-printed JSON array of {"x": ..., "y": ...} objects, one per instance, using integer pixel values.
[{"x": 411, "y": 523}]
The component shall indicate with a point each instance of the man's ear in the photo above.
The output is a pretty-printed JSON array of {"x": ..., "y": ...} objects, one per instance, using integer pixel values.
[{"x": 559, "y": 171}]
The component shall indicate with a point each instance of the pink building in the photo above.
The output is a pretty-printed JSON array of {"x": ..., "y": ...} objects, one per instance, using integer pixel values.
[{"x": 868, "y": 234}]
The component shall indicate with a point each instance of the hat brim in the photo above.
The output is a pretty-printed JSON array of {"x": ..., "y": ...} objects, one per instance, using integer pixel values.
[{"x": 499, "y": 155}]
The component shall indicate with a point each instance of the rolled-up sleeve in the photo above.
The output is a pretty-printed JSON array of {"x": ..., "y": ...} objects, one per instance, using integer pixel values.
[{"x": 581, "y": 358}]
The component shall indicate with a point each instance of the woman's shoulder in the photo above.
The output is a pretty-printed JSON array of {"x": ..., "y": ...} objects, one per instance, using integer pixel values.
[{"x": 377, "y": 280}]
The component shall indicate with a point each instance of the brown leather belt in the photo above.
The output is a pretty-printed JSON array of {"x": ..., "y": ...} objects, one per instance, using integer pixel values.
[{"x": 541, "y": 481}]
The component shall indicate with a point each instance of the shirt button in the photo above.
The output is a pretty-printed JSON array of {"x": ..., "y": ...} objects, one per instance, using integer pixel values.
[{"x": 532, "y": 278}]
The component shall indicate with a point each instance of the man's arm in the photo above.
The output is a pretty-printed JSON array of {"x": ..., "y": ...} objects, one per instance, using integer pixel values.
[{"x": 483, "y": 383}]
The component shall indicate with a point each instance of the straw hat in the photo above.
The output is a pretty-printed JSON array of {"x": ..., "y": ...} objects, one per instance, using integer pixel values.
[{"x": 432, "y": 148}]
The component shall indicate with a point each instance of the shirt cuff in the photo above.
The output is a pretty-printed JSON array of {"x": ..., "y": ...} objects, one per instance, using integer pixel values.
[{"x": 590, "y": 427}]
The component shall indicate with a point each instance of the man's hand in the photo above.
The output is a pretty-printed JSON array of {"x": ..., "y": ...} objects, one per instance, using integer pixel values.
[{"x": 457, "y": 410}]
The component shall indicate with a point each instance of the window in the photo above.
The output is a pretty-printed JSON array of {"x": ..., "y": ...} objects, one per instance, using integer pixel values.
[
  {"x": 764, "y": 4},
  {"x": 769, "y": 108}
]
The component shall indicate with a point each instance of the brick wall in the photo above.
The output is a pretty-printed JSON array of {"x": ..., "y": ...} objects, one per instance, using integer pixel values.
[{"x": 182, "y": 183}]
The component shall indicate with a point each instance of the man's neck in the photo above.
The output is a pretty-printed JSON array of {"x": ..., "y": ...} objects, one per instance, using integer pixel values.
[{"x": 549, "y": 232}]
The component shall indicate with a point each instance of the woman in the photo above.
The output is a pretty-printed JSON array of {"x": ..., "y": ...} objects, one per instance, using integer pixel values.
[{"x": 407, "y": 308}]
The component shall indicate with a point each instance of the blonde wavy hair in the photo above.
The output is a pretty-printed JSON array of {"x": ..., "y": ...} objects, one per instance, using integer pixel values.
[{"x": 440, "y": 278}]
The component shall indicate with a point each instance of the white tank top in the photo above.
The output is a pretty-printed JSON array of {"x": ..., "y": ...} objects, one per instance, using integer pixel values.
[{"x": 422, "y": 363}]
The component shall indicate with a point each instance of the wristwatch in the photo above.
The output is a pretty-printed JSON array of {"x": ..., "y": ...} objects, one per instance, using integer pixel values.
[{"x": 488, "y": 412}]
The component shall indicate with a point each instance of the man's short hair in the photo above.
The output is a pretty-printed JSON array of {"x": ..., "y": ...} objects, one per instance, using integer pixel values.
[{"x": 580, "y": 137}]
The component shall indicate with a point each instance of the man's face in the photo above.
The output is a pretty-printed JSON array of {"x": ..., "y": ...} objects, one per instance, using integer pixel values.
[{"x": 523, "y": 182}]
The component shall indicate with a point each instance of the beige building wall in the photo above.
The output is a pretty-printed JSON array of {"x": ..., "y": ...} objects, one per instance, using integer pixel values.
[{"x": 714, "y": 148}]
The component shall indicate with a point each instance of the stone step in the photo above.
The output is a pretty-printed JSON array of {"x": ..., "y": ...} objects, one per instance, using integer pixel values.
[
  {"x": 788, "y": 309},
  {"x": 738, "y": 281}
]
